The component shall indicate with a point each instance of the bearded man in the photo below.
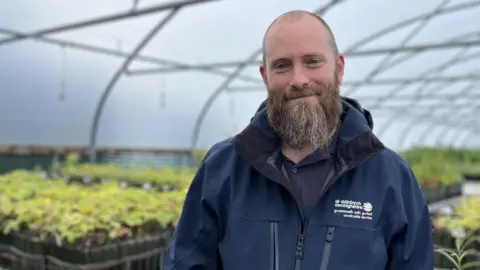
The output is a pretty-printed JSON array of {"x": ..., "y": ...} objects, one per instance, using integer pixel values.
[{"x": 306, "y": 185}]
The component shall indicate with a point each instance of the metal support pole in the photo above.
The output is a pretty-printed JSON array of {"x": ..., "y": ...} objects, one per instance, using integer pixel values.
[
  {"x": 106, "y": 19},
  {"x": 116, "y": 77},
  {"x": 359, "y": 53}
]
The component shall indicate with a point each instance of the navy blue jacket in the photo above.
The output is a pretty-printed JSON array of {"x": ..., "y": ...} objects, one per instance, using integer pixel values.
[{"x": 239, "y": 213}]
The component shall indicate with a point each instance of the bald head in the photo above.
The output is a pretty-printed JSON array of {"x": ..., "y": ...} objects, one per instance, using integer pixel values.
[{"x": 296, "y": 16}]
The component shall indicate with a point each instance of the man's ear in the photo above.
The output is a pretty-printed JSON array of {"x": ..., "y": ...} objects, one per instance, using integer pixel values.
[
  {"x": 340, "y": 67},
  {"x": 263, "y": 72}
]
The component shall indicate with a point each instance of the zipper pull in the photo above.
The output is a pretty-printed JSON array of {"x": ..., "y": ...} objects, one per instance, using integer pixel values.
[
  {"x": 299, "y": 252},
  {"x": 329, "y": 236},
  {"x": 300, "y": 246}
]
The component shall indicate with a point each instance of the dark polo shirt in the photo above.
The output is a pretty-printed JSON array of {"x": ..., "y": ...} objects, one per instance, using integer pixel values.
[{"x": 309, "y": 175}]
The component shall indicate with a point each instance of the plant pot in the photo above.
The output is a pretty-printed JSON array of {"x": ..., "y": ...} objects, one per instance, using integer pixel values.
[
  {"x": 84, "y": 180},
  {"x": 443, "y": 239},
  {"x": 29, "y": 253},
  {"x": 141, "y": 253},
  {"x": 433, "y": 194},
  {"x": 471, "y": 177},
  {"x": 73, "y": 258},
  {"x": 453, "y": 190},
  {"x": 6, "y": 241},
  {"x": 144, "y": 253}
]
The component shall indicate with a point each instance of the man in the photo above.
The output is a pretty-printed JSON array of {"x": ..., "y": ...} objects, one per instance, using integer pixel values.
[{"x": 306, "y": 185}]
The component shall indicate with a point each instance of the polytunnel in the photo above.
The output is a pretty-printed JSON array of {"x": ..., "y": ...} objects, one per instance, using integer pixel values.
[
  {"x": 107, "y": 108},
  {"x": 184, "y": 74}
]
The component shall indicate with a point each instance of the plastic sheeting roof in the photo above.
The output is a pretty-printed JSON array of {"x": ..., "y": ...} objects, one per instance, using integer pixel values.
[{"x": 185, "y": 73}]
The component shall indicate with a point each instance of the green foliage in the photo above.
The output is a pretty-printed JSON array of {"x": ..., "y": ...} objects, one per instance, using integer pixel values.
[
  {"x": 51, "y": 210},
  {"x": 451, "y": 155},
  {"x": 441, "y": 166},
  {"x": 466, "y": 220},
  {"x": 466, "y": 216},
  {"x": 432, "y": 174},
  {"x": 461, "y": 251},
  {"x": 173, "y": 178},
  {"x": 199, "y": 155}
]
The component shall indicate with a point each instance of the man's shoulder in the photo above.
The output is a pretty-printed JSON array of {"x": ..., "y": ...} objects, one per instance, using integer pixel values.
[
  {"x": 220, "y": 153},
  {"x": 390, "y": 159},
  {"x": 393, "y": 168}
]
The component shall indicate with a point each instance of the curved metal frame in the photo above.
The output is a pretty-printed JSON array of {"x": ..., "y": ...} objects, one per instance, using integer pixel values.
[
  {"x": 385, "y": 64},
  {"x": 116, "y": 77},
  {"x": 465, "y": 125},
  {"x": 423, "y": 88},
  {"x": 459, "y": 58}
]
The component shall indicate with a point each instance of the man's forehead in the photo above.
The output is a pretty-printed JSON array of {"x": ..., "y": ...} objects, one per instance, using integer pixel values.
[{"x": 291, "y": 19}]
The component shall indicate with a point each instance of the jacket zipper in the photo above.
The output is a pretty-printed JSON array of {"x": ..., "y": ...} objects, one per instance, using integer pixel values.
[
  {"x": 299, "y": 249},
  {"x": 274, "y": 256},
  {"x": 327, "y": 248},
  {"x": 329, "y": 236}
]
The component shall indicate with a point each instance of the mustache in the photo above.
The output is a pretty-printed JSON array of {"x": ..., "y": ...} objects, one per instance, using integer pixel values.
[{"x": 296, "y": 92}]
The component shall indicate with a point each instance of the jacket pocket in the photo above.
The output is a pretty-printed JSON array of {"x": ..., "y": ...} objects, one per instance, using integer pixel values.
[
  {"x": 252, "y": 244},
  {"x": 348, "y": 248},
  {"x": 338, "y": 247}
]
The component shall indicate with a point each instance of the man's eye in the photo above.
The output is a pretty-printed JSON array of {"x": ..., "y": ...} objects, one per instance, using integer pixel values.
[
  {"x": 314, "y": 62},
  {"x": 281, "y": 66}
]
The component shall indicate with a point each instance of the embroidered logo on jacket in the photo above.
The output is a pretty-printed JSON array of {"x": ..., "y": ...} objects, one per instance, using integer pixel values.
[{"x": 353, "y": 209}]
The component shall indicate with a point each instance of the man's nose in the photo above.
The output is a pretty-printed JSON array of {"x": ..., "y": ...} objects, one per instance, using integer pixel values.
[{"x": 300, "y": 78}]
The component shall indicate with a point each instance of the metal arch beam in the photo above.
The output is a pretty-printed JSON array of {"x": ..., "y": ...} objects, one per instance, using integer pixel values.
[
  {"x": 445, "y": 132},
  {"x": 436, "y": 121},
  {"x": 404, "y": 135},
  {"x": 389, "y": 81},
  {"x": 469, "y": 117},
  {"x": 457, "y": 135},
  {"x": 456, "y": 59},
  {"x": 464, "y": 145},
  {"x": 105, "y": 19},
  {"x": 452, "y": 139},
  {"x": 435, "y": 70},
  {"x": 398, "y": 113},
  {"x": 239, "y": 68},
  {"x": 438, "y": 141},
  {"x": 385, "y": 62},
  {"x": 476, "y": 139},
  {"x": 425, "y": 115},
  {"x": 121, "y": 54},
  {"x": 449, "y": 116},
  {"x": 116, "y": 77},
  {"x": 441, "y": 135},
  {"x": 211, "y": 99},
  {"x": 462, "y": 132},
  {"x": 407, "y": 57},
  {"x": 362, "y": 53},
  {"x": 400, "y": 60},
  {"x": 459, "y": 58},
  {"x": 459, "y": 132},
  {"x": 449, "y": 123},
  {"x": 432, "y": 125},
  {"x": 351, "y": 50},
  {"x": 423, "y": 137},
  {"x": 428, "y": 108},
  {"x": 400, "y": 25},
  {"x": 410, "y": 126}
]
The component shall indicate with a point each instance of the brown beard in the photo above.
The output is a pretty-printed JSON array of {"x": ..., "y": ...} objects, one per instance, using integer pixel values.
[{"x": 303, "y": 126}]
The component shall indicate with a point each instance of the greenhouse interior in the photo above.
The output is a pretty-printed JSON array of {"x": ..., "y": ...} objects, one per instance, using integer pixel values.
[{"x": 108, "y": 109}]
